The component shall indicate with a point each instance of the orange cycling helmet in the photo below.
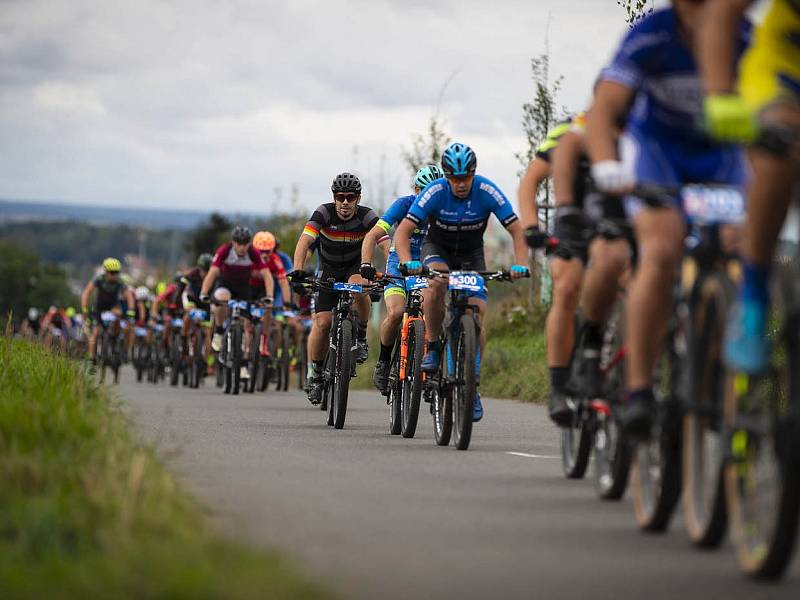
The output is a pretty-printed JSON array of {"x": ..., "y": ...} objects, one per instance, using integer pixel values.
[{"x": 264, "y": 241}]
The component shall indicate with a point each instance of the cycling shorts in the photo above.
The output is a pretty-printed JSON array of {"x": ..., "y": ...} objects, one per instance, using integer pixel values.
[
  {"x": 325, "y": 300},
  {"x": 770, "y": 68},
  {"x": 673, "y": 163},
  {"x": 238, "y": 290},
  {"x": 472, "y": 260},
  {"x": 394, "y": 288}
]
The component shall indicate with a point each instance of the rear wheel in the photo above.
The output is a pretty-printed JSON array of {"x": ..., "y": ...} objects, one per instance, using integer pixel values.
[
  {"x": 441, "y": 407},
  {"x": 344, "y": 369},
  {"x": 412, "y": 383},
  {"x": 466, "y": 384},
  {"x": 576, "y": 444},
  {"x": 174, "y": 359},
  {"x": 395, "y": 393},
  {"x": 236, "y": 357},
  {"x": 255, "y": 360}
]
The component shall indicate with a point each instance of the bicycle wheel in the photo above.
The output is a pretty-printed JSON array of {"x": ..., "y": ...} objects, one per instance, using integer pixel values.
[
  {"x": 703, "y": 442},
  {"x": 255, "y": 359},
  {"x": 412, "y": 383},
  {"x": 302, "y": 367},
  {"x": 327, "y": 389},
  {"x": 198, "y": 362},
  {"x": 285, "y": 359},
  {"x": 762, "y": 485},
  {"x": 225, "y": 355},
  {"x": 576, "y": 444},
  {"x": 174, "y": 360},
  {"x": 395, "y": 392},
  {"x": 612, "y": 454},
  {"x": 466, "y": 352},
  {"x": 236, "y": 358},
  {"x": 344, "y": 369},
  {"x": 441, "y": 406}
]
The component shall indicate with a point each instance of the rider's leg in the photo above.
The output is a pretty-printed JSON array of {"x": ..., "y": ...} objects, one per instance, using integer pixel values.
[
  {"x": 93, "y": 341},
  {"x": 318, "y": 339},
  {"x": 560, "y": 323},
  {"x": 660, "y": 234},
  {"x": 395, "y": 300},
  {"x": 608, "y": 260},
  {"x": 219, "y": 314},
  {"x": 434, "y": 303}
]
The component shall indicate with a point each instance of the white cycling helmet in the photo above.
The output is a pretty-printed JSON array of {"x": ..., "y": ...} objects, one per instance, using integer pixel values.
[
  {"x": 142, "y": 293},
  {"x": 33, "y": 313}
]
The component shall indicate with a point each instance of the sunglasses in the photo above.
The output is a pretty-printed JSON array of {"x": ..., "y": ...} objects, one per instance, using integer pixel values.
[{"x": 341, "y": 197}]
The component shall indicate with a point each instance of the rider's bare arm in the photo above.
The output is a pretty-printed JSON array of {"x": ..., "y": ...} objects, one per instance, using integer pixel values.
[
  {"x": 86, "y": 295},
  {"x": 716, "y": 44},
  {"x": 537, "y": 172},
  {"x": 209, "y": 280},
  {"x": 301, "y": 251},
  {"x": 269, "y": 283},
  {"x": 370, "y": 240},
  {"x": 565, "y": 164},
  {"x": 520, "y": 245},
  {"x": 611, "y": 102},
  {"x": 402, "y": 237}
]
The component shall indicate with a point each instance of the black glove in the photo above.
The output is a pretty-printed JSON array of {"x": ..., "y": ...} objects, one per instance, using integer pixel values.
[
  {"x": 573, "y": 228},
  {"x": 299, "y": 275},
  {"x": 536, "y": 238},
  {"x": 368, "y": 272},
  {"x": 300, "y": 289}
]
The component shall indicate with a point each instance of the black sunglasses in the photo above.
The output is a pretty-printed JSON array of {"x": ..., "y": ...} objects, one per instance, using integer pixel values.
[{"x": 341, "y": 197}]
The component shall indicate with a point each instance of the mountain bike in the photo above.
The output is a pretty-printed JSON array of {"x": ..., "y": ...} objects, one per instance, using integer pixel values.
[
  {"x": 156, "y": 369},
  {"x": 109, "y": 349},
  {"x": 284, "y": 347},
  {"x": 761, "y": 415},
  {"x": 177, "y": 350},
  {"x": 260, "y": 365},
  {"x": 231, "y": 356},
  {"x": 141, "y": 352},
  {"x": 302, "y": 352},
  {"x": 340, "y": 364},
  {"x": 196, "y": 342},
  {"x": 404, "y": 385},
  {"x": 451, "y": 390}
]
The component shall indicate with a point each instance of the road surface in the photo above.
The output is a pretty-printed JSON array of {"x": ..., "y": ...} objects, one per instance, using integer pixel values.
[{"x": 376, "y": 516}]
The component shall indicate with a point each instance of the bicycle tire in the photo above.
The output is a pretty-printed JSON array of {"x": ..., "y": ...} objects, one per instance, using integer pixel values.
[
  {"x": 442, "y": 407},
  {"x": 761, "y": 416},
  {"x": 703, "y": 439},
  {"x": 302, "y": 370},
  {"x": 344, "y": 369},
  {"x": 255, "y": 359},
  {"x": 225, "y": 360},
  {"x": 236, "y": 359},
  {"x": 466, "y": 354},
  {"x": 284, "y": 362},
  {"x": 395, "y": 399},
  {"x": 576, "y": 445},
  {"x": 612, "y": 453},
  {"x": 174, "y": 360},
  {"x": 412, "y": 384},
  {"x": 327, "y": 389}
]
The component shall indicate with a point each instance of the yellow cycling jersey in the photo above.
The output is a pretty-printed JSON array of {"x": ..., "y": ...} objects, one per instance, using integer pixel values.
[{"x": 770, "y": 69}]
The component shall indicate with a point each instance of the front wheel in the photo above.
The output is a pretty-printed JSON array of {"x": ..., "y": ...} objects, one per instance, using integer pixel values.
[
  {"x": 344, "y": 369},
  {"x": 395, "y": 393},
  {"x": 465, "y": 388},
  {"x": 412, "y": 382},
  {"x": 576, "y": 444}
]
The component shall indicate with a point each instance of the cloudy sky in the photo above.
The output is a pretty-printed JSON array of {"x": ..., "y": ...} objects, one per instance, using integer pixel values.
[{"x": 203, "y": 104}]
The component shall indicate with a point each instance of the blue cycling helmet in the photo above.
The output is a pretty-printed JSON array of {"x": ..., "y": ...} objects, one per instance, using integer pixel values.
[
  {"x": 427, "y": 174},
  {"x": 458, "y": 159}
]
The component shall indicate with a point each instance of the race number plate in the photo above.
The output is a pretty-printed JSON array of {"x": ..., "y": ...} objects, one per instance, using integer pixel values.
[
  {"x": 257, "y": 311},
  {"x": 158, "y": 327},
  {"x": 706, "y": 204},
  {"x": 141, "y": 332},
  {"x": 414, "y": 282},
  {"x": 108, "y": 317},
  {"x": 237, "y": 304},
  {"x": 198, "y": 314},
  {"x": 347, "y": 287},
  {"x": 289, "y": 314},
  {"x": 465, "y": 280}
]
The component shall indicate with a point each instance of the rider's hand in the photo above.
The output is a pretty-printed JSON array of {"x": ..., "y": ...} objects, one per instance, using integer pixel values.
[
  {"x": 729, "y": 119},
  {"x": 299, "y": 275},
  {"x": 413, "y": 267},
  {"x": 268, "y": 300},
  {"x": 612, "y": 177},
  {"x": 300, "y": 289},
  {"x": 519, "y": 271},
  {"x": 130, "y": 314},
  {"x": 205, "y": 298},
  {"x": 536, "y": 238},
  {"x": 367, "y": 271}
]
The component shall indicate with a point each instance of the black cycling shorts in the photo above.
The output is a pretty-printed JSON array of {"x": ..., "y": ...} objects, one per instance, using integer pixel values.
[
  {"x": 239, "y": 291},
  {"x": 325, "y": 300},
  {"x": 472, "y": 260}
]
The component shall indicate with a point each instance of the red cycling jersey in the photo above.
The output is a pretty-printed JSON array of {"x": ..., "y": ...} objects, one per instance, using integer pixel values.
[
  {"x": 235, "y": 269},
  {"x": 275, "y": 266}
]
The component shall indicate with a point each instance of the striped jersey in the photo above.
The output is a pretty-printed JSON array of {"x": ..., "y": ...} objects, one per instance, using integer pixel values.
[{"x": 339, "y": 240}]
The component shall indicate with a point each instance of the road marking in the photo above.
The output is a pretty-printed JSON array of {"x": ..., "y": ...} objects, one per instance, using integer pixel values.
[{"x": 526, "y": 455}]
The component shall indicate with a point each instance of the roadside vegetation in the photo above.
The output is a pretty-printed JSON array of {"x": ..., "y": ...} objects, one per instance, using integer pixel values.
[{"x": 86, "y": 511}]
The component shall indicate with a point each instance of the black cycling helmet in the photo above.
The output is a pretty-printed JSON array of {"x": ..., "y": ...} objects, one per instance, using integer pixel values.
[
  {"x": 346, "y": 182},
  {"x": 241, "y": 235},
  {"x": 204, "y": 261}
]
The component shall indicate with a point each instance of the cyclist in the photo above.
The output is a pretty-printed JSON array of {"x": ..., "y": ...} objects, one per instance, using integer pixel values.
[
  {"x": 230, "y": 274},
  {"x": 767, "y": 94},
  {"x": 340, "y": 226},
  {"x": 110, "y": 291},
  {"x": 264, "y": 242},
  {"x": 654, "y": 71},
  {"x": 394, "y": 294},
  {"x": 56, "y": 319},
  {"x": 31, "y": 324},
  {"x": 457, "y": 209}
]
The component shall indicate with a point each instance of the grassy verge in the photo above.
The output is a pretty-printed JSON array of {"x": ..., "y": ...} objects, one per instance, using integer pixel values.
[
  {"x": 514, "y": 365},
  {"x": 88, "y": 512}
]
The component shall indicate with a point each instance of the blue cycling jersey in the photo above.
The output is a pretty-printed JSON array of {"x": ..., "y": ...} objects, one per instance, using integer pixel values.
[
  {"x": 396, "y": 213},
  {"x": 288, "y": 266},
  {"x": 655, "y": 60},
  {"x": 457, "y": 225}
]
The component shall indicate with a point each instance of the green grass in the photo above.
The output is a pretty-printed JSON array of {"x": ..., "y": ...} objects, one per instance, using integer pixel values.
[
  {"x": 514, "y": 365},
  {"x": 86, "y": 511}
]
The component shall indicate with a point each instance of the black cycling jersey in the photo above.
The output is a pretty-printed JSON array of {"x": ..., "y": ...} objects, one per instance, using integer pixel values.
[
  {"x": 108, "y": 292},
  {"x": 339, "y": 240}
]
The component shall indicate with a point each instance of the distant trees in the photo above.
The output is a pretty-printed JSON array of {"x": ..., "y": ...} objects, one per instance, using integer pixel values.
[
  {"x": 635, "y": 9},
  {"x": 427, "y": 149},
  {"x": 28, "y": 282},
  {"x": 209, "y": 235}
]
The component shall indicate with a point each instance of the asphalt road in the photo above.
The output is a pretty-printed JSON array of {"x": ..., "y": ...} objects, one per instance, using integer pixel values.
[{"x": 377, "y": 516}]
